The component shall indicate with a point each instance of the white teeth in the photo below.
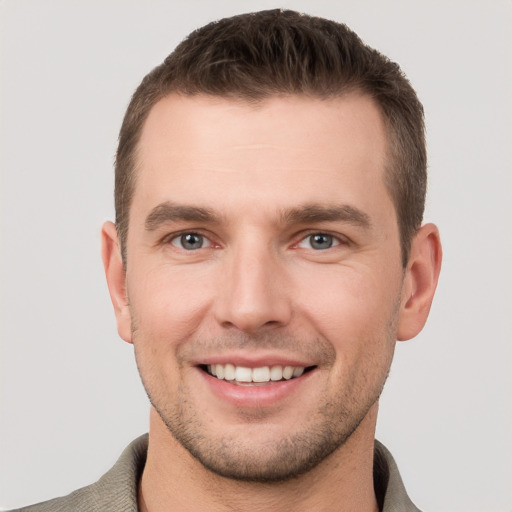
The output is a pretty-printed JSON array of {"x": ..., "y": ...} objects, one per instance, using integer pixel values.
[
  {"x": 219, "y": 371},
  {"x": 288, "y": 372},
  {"x": 229, "y": 372},
  {"x": 261, "y": 374},
  {"x": 243, "y": 374},
  {"x": 298, "y": 371},
  {"x": 276, "y": 373}
]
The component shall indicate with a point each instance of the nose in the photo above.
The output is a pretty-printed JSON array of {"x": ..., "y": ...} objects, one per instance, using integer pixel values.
[{"x": 253, "y": 293}]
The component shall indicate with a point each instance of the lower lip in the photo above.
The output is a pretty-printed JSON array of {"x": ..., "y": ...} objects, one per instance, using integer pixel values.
[{"x": 258, "y": 396}]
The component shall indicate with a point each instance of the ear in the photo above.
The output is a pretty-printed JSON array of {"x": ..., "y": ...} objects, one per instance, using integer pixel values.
[
  {"x": 116, "y": 279},
  {"x": 420, "y": 281}
]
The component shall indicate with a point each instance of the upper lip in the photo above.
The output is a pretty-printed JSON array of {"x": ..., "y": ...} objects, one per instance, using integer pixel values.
[{"x": 253, "y": 361}]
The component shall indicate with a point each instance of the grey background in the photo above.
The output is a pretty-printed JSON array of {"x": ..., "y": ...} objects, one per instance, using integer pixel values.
[{"x": 70, "y": 397}]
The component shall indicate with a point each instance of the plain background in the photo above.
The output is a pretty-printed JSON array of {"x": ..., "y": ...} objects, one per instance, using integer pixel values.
[{"x": 70, "y": 396}]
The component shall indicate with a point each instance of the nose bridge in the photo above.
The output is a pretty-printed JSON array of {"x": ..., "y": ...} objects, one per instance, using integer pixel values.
[{"x": 254, "y": 294}]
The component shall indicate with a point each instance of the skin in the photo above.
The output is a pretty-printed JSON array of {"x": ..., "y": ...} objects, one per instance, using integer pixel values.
[{"x": 254, "y": 183}]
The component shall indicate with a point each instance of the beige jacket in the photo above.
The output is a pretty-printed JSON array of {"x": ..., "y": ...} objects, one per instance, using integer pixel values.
[{"x": 116, "y": 490}]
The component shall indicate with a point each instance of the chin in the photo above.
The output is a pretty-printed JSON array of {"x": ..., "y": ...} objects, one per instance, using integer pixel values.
[{"x": 261, "y": 453}]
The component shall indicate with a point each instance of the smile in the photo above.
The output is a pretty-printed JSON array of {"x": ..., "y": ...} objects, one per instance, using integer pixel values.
[{"x": 264, "y": 374}]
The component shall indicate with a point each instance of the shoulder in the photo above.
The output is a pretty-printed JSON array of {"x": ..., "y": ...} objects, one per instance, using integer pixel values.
[
  {"x": 115, "y": 490},
  {"x": 388, "y": 484}
]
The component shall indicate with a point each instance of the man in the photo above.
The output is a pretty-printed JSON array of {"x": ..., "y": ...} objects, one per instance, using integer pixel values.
[{"x": 267, "y": 254}]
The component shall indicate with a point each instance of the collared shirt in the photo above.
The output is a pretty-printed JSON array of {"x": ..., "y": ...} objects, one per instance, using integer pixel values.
[{"x": 116, "y": 490}]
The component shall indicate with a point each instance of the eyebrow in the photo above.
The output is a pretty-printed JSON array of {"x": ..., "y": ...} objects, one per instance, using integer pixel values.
[
  {"x": 170, "y": 212},
  {"x": 311, "y": 213},
  {"x": 306, "y": 214}
]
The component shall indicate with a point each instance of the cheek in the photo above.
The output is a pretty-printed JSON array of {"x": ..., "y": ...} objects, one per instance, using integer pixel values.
[
  {"x": 358, "y": 318},
  {"x": 168, "y": 304},
  {"x": 350, "y": 307}
]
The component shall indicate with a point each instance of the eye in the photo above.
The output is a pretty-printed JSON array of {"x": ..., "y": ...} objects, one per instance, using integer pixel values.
[
  {"x": 319, "y": 242},
  {"x": 191, "y": 241}
]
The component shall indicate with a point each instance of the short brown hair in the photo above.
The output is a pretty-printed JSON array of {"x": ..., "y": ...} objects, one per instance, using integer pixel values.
[{"x": 280, "y": 52}]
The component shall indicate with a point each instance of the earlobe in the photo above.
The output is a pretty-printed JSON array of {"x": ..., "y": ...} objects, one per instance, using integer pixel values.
[
  {"x": 420, "y": 281},
  {"x": 116, "y": 279}
]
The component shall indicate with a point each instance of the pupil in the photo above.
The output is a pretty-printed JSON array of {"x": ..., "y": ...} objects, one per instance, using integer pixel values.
[
  {"x": 192, "y": 241},
  {"x": 321, "y": 241}
]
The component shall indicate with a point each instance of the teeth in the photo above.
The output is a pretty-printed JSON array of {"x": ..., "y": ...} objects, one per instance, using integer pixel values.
[
  {"x": 219, "y": 371},
  {"x": 298, "y": 371},
  {"x": 276, "y": 373},
  {"x": 261, "y": 374},
  {"x": 288, "y": 372},
  {"x": 229, "y": 372},
  {"x": 242, "y": 374}
]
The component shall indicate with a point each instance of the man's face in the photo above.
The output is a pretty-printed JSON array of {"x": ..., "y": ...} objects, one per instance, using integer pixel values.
[{"x": 262, "y": 243}]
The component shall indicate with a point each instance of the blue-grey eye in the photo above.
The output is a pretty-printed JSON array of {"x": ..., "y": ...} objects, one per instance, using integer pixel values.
[
  {"x": 319, "y": 241},
  {"x": 190, "y": 241}
]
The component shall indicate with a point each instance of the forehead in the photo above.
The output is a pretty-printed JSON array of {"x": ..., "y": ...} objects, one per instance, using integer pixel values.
[{"x": 280, "y": 150}]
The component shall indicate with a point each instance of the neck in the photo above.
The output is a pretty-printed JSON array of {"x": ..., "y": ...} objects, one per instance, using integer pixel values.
[{"x": 342, "y": 482}]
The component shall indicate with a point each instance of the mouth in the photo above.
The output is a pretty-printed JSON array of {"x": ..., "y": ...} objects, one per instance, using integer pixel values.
[{"x": 259, "y": 376}]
